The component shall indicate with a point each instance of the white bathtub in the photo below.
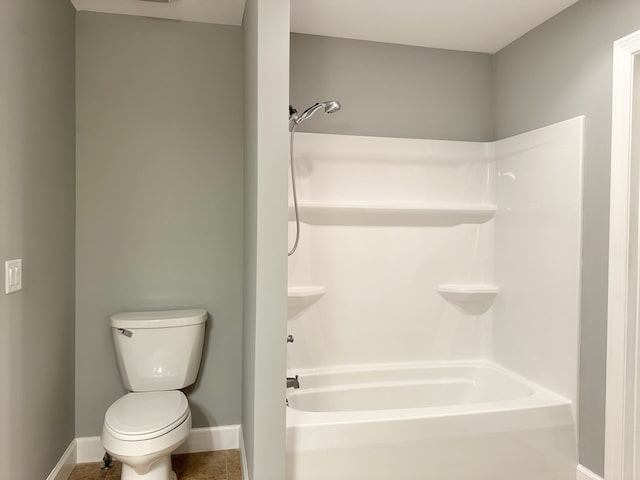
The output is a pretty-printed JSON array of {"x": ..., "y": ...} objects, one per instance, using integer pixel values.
[{"x": 429, "y": 421}]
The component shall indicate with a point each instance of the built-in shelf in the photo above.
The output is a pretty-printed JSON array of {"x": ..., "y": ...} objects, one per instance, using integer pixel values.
[
  {"x": 392, "y": 215},
  {"x": 473, "y": 299},
  {"x": 304, "y": 296}
]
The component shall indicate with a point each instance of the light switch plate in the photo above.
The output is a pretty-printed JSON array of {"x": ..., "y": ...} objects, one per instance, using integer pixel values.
[{"x": 12, "y": 276}]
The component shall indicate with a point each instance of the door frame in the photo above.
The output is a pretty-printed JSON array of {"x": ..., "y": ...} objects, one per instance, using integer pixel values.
[{"x": 623, "y": 296}]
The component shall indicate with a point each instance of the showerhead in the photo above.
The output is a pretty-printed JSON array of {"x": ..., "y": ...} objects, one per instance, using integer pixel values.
[{"x": 330, "y": 106}]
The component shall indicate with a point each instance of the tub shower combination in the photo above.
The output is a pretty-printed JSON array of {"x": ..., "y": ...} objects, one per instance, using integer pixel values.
[{"x": 434, "y": 303}]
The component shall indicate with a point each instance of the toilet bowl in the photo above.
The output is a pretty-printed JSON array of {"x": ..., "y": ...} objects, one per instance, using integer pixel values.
[
  {"x": 158, "y": 353},
  {"x": 142, "y": 429}
]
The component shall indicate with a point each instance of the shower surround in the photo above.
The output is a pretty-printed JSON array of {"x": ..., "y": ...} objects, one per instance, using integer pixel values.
[{"x": 434, "y": 302}]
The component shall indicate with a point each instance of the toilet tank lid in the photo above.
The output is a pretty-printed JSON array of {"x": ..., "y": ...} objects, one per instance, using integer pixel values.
[{"x": 159, "y": 319}]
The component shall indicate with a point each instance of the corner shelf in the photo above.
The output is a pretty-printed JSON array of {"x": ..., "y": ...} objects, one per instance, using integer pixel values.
[
  {"x": 472, "y": 299},
  {"x": 304, "y": 296},
  {"x": 393, "y": 215}
]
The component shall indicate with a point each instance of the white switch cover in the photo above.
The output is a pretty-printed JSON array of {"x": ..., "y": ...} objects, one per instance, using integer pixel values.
[{"x": 12, "y": 276}]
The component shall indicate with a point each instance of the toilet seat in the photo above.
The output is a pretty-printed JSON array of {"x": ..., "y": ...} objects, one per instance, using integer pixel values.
[{"x": 146, "y": 415}]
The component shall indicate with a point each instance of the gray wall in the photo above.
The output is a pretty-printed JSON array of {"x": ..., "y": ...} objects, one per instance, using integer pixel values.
[
  {"x": 159, "y": 198},
  {"x": 392, "y": 90},
  {"x": 37, "y": 212},
  {"x": 559, "y": 70},
  {"x": 266, "y": 90}
]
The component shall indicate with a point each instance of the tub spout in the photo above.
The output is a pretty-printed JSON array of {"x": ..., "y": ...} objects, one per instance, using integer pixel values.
[{"x": 292, "y": 382}]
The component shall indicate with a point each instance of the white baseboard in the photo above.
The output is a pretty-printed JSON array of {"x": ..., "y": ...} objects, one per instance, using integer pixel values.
[
  {"x": 585, "y": 474},
  {"x": 200, "y": 440},
  {"x": 211, "y": 438},
  {"x": 65, "y": 465},
  {"x": 243, "y": 457},
  {"x": 89, "y": 449}
]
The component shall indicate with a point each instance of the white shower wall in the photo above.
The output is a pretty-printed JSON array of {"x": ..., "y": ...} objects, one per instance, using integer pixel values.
[
  {"x": 382, "y": 303},
  {"x": 538, "y": 231},
  {"x": 388, "y": 220},
  {"x": 383, "y": 171}
]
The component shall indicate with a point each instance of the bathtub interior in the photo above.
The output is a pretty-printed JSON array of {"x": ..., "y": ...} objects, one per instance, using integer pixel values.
[
  {"x": 428, "y": 252},
  {"x": 405, "y": 387}
]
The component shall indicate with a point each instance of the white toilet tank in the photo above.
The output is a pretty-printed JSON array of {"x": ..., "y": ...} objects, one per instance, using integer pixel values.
[{"x": 158, "y": 350}]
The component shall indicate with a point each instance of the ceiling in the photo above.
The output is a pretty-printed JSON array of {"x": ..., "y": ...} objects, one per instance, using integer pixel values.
[
  {"x": 225, "y": 12},
  {"x": 472, "y": 25}
]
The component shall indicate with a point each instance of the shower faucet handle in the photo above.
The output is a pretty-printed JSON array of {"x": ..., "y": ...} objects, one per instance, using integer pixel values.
[{"x": 290, "y": 339}]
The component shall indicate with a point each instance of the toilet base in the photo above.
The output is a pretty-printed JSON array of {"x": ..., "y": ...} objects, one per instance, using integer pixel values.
[{"x": 160, "y": 470}]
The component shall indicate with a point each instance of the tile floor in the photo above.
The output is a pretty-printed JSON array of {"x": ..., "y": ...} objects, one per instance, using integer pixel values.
[{"x": 219, "y": 465}]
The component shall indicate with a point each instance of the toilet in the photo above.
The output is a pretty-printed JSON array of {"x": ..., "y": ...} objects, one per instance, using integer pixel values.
[{"x": 158, "y": 353}]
